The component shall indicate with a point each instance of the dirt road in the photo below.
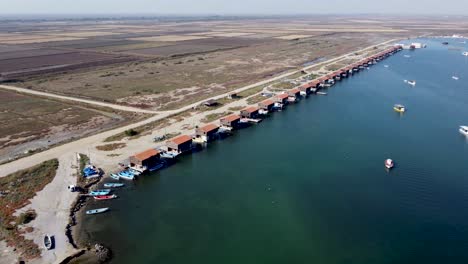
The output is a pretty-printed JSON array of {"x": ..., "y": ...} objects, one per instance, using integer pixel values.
[{"x": 68, "y": 98}]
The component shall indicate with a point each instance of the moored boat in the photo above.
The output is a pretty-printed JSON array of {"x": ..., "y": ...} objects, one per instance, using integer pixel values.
[
  {"x": 115, "y": 176},
  {"x": 126, "y": 175},
  {"x": 464, "y": 130},
  {"x": 389, "y": 163},
  {"x": 399, "y": 108},
  {"x": 48, "y": 242},
  {"x": 113, "y": 185},
  {"x": 97, "y": 211},
  {"x": 105, "y": 197},
  {"x": 100, "y": 192}
]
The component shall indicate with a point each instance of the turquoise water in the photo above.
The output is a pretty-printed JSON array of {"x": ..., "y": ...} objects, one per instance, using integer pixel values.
[{"x": 308, "y": 184}]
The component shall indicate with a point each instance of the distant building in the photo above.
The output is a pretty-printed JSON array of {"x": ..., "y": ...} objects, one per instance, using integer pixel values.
[
  {"x": 206, "y": 133},
  {"x": 249, "y": 112},
  {"x": 145, "y": 158},
  {"x": 231, "y": 121},
  {"x": 211, "y": 102},
  {"x": 180, "y": 144},
  {"x": 267, "y": 104}
]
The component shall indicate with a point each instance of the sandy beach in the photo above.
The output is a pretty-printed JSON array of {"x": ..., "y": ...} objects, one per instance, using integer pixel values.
[{"x": 53, "y": 203}]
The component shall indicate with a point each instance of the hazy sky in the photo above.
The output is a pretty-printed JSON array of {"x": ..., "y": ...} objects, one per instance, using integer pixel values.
[{"x": 233, "y": 6}]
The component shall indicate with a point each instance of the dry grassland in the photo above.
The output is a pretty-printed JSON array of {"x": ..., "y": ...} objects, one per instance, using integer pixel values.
[{"x": 170, "y": 38}]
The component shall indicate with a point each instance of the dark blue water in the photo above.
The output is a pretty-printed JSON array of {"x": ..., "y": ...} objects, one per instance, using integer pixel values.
[{"x": 308, "y": 184}]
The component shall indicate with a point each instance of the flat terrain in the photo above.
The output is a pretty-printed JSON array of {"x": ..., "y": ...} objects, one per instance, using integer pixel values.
[{"x": 28, "y": 123}]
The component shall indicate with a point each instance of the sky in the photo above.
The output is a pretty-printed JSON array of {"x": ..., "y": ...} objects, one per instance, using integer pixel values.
[{"x": 237, "y": 7}]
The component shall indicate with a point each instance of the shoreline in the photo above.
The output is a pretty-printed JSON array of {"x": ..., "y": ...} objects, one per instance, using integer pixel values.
[
  {"x": 68, "y": 225},
  {"x": 89, "y": 238}
]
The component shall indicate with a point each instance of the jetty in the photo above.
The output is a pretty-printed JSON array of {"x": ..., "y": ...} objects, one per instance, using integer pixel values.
[{"x": 156, "y": 157}]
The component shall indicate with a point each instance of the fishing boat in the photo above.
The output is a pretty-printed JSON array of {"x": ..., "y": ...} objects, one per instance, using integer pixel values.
[
  {"x": 169, "y": 154},
  {"x": 399, "y": 108},
  {"x": 48, "y": 242},
  {"x": 464, "y": 130},
  {"x": 115, "y": 176},
  {"x": 389, "y": 163},
  {"x": 105, "y": 197},
  {"x": 158, "y": 166},
  {"x": 455, "y": 77},
  {"x": 113, "y": 185},
  {"x": 134, "y": 172},
  {"x": 126, "y": 175},
  {"x": 97, "y": 211},
  {"x": 100, "y": 192}
]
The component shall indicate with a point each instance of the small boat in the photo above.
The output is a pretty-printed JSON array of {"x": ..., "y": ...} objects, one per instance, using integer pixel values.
[
  {"x": 115, "y": 176},
  {"x": 386, "y": 66},
  {"x": 407, "y": 56},
  {"x": 157, "y": 166},
  {"x": 465, "y": 53},
  {"x": 411, "y": 82},
  {"x": 105, "y": 197},
  {"x": 321, "y": 93},
  {"x": 399, "y": 108},
  {"x": 126, "y": 175},
  {"x": 134, "y": 172},
  {"x": 113, "y": 185},
  {"x": 464, "y": 130},
  {"x": 97, "y": 211},
  {"x": 455, "y": 77},
  {"x": 445, "y": 43},
  {"x": 100, "y": 192},
  {"x": 48, "y": 242},
  {"x": 389, "y": 163}
]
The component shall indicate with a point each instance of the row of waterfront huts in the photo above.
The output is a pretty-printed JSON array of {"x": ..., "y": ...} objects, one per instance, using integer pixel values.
[{"x": 156, "y": 157}]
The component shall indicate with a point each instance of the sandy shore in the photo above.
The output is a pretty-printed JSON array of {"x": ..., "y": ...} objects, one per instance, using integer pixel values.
[
  {"x": 53, "y": 203},
  {"x": 52, "y": 206}
]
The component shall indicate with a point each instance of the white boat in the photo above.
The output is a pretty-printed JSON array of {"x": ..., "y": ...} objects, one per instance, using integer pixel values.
[
  {"x": 115, "y": 176},
  {"x": 399, "y": 108},
  {"x": 48, "y": 242},
  {"x": 464, "y": 130},
  {"x": 407, "y": 56},
  {"x": 455, "y": 77},
  {"x": 465, "y": 53},
  {"x": 389, "y": 163},
  {"x": 321, "y": 93},
  {"x": 410, "y": 82},
  {"x": 386, "y": 66},
  {"x": 113, "y": 185},
  {"x": 97, "y": 211}
]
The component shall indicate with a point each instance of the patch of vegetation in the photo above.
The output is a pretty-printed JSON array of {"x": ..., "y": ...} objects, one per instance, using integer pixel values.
[
  {"x": 84, "y": 160},
  {"x": 255, "y": 99},
  {"x": 16, "y": 190},
  {"x": 253, "y": 90},
  {"x": 110, "y": 147},
  {"x": 131, "y": 132},
  {"x": 236, "y": 108},
  {"x": 214, "y": 116},
  {"x": 26, "y": 217},
  {"x": 141, "y": 130}
]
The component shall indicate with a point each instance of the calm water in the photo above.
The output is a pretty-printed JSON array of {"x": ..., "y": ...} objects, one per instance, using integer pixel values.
[{"x": 308, "y": 185}]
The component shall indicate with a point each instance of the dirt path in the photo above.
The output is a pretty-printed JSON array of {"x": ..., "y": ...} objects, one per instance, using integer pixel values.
[{"x": 68, "y": 98}]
